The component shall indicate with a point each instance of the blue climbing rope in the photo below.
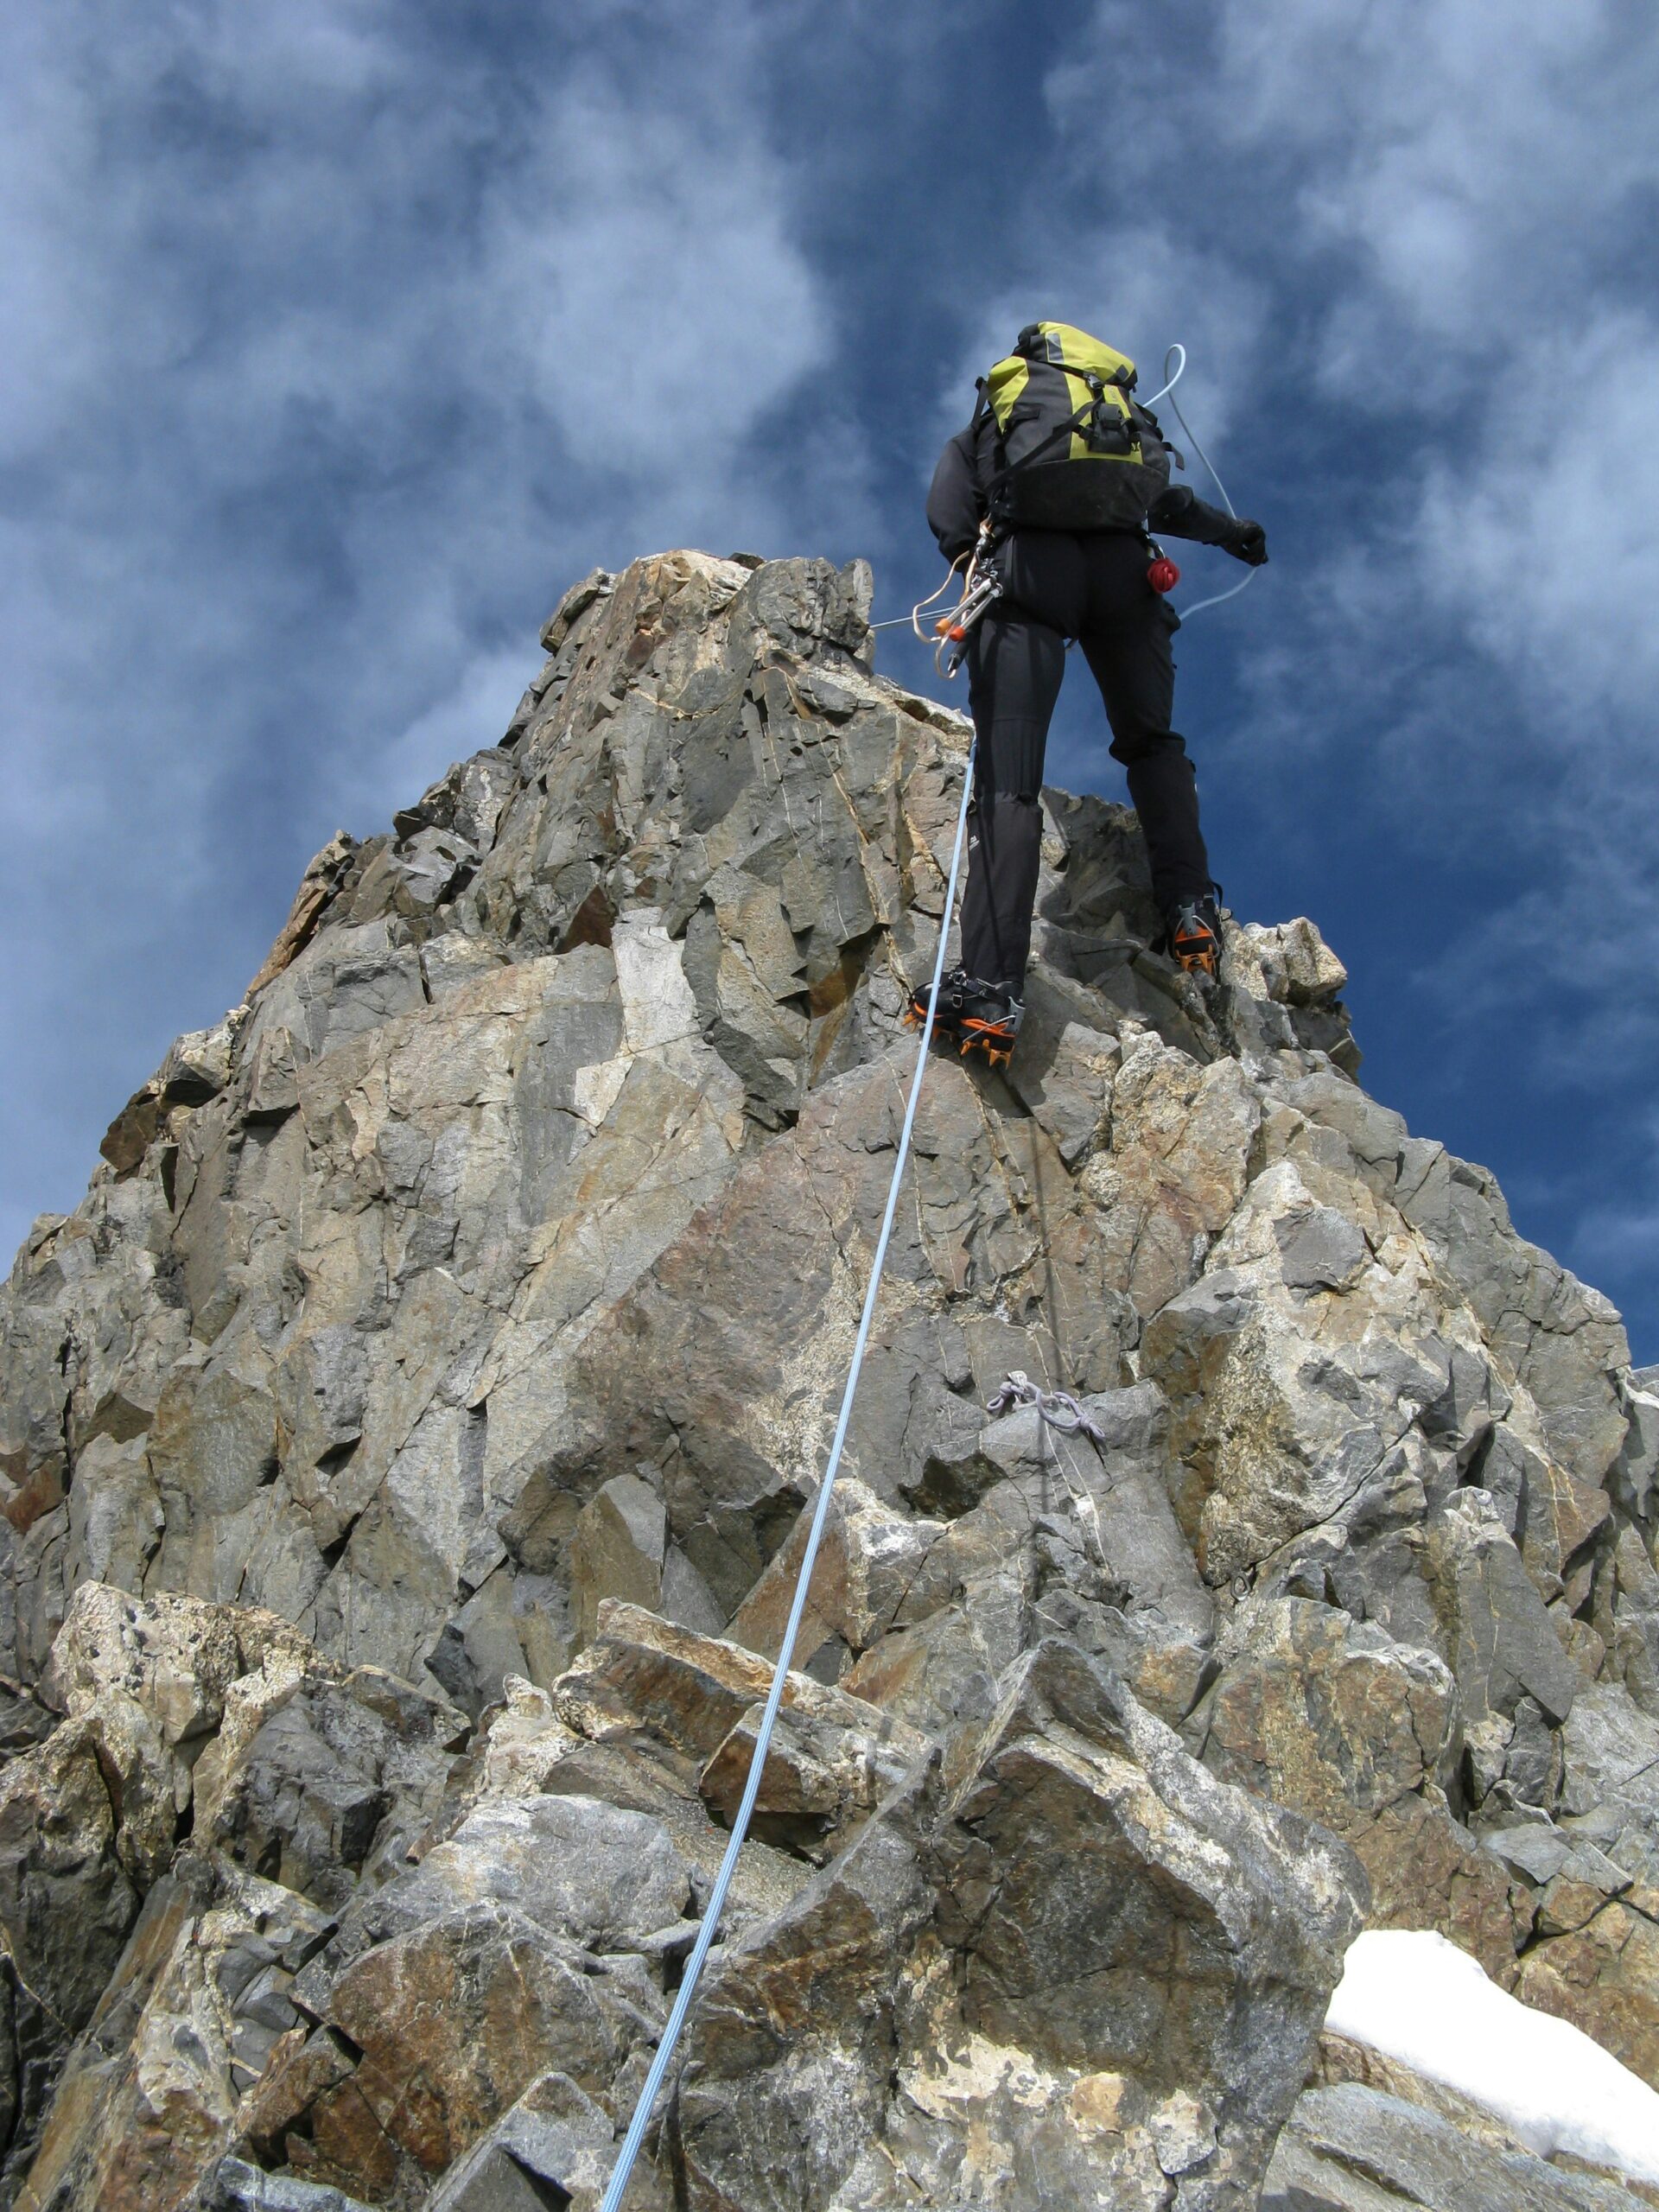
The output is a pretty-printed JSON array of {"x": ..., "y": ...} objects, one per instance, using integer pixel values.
[{"x": 670, "y": 2036}]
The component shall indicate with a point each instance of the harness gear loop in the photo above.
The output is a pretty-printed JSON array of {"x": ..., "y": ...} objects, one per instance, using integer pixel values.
[
  {"x": 659, "y": 2065},
  {"x": 980, "y": 586}
]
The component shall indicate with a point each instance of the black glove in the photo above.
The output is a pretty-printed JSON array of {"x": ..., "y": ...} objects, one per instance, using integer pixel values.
[{"x": 1246, "y": 541}]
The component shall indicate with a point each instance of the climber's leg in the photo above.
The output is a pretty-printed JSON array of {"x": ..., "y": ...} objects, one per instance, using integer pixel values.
[
  {"x": 1015, "y": 661},
  {"x": 1127, "y": 649}
]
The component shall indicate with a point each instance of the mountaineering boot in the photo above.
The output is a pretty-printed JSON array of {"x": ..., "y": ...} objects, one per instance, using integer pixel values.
[
  {"x": 979, "y": 1017},
  {"x": 1193, "y": 927}
]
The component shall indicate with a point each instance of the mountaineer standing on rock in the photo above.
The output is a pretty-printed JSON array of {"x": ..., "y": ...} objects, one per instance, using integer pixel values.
[{"x": 1059, "y": 482}]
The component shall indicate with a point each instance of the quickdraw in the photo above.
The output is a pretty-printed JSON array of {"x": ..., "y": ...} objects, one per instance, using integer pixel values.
[
  {"x": 980, "y": 586},
  {"x": 952, "y": 631},
  {"x": 1058, "y": 1409}
]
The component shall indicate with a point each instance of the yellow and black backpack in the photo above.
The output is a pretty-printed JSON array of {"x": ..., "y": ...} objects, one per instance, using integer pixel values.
[{"x": 1074, "y": 450}]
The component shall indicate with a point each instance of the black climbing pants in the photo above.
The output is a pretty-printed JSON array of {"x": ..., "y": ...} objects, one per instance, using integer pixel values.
[{"x": 1093, "y": 588}]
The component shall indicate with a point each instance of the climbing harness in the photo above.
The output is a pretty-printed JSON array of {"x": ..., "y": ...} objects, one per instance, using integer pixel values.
[
  {"x": 980, "y": 586},
  {"x": 642, "y": 2111}
]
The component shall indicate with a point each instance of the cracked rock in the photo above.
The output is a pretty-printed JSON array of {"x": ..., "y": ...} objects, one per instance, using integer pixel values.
[{"x": 408, "y": 1448}]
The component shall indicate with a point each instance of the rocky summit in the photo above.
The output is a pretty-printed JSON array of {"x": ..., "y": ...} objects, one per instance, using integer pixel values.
[{"x": 405, "y": 1448}]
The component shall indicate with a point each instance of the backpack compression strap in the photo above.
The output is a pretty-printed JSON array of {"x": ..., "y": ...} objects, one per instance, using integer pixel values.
[{"x": 1068, "y": 428}]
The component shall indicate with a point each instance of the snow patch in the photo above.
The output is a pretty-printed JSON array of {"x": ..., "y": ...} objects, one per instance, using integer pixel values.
[{"x": 1418, "y": 1999}]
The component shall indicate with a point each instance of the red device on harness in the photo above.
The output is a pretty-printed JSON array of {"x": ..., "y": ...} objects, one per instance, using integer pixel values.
[{"x": 1163, "y": 575}]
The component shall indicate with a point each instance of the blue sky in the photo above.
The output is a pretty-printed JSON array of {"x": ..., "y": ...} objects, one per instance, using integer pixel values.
[{"x": 340, "y": 335}]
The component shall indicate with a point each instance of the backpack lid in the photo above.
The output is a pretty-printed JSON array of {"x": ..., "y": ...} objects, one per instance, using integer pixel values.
[
  {"x": 1088, "y": 363},
  {"x": 1068, "y": 347}
]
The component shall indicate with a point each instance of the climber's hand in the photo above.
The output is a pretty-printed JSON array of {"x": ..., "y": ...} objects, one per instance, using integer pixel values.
[{"x": 1248, "y": 542}]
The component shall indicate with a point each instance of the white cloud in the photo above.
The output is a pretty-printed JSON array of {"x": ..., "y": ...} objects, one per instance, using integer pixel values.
[
  {"x": 340, "y": 338},
  {"x": 1617, "y": 1240},
  {"x": 1166, "y": 290},
  {"x": 486, "y": 689},
  {"x": 1468, "y": 151},
  {"x": 1439, "y": 203},
  {"x": 644, "y": 270},
  {"x": 1549, "y": 528}
]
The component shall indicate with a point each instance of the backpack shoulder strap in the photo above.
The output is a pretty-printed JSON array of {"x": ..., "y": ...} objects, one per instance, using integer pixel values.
[{"x": 1145, "y": 415}]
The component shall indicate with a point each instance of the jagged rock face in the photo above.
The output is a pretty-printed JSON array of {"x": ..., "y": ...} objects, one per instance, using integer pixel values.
[{"x": 404, "y": 1451}]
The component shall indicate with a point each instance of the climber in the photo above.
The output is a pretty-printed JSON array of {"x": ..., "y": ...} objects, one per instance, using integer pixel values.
[{"x": 1068, "y": 494}]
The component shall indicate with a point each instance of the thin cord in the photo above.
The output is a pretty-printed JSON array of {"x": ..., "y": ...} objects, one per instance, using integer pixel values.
[
  {"x": 1166, "y": 390},
  {"x": 642, "y": 2110},
  {"x": 914, "y": 617},
  {"x": 1219, "y": 598}
]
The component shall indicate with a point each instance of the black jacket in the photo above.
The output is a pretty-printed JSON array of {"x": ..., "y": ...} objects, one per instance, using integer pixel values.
[{"x": 956, "y": 502}]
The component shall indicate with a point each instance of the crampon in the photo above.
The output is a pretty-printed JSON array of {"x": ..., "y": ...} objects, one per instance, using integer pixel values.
[
  {"x": 974, "y": 1016},
  {"x": 1194, "y": 937},
  {"x": 994, "y": 1038}
]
